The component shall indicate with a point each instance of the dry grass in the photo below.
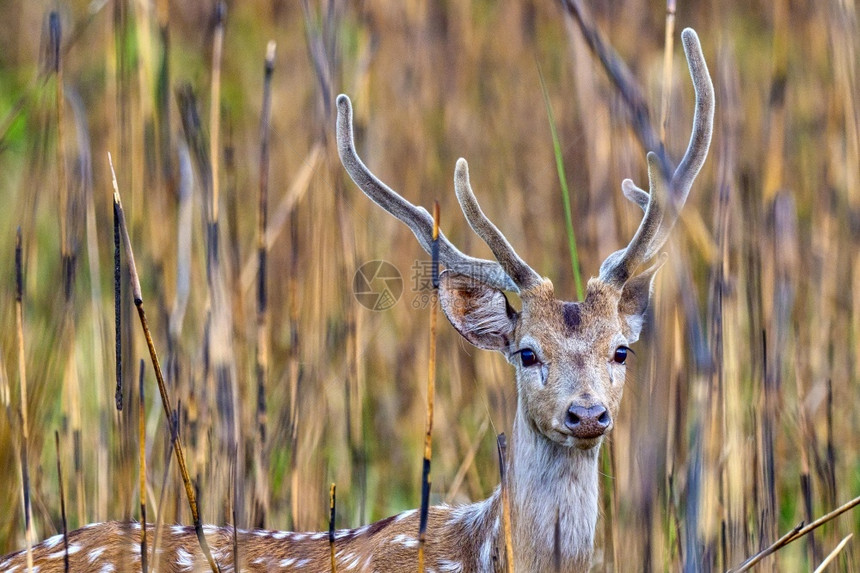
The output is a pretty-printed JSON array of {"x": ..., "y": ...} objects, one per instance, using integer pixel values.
[{"x": 739, "y": 418}]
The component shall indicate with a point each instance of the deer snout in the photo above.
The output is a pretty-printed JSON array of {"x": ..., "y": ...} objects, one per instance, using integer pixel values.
[{"x": 587, "y": 423}]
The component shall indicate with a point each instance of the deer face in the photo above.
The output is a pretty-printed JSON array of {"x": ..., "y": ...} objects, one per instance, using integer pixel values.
[{"x": 570, "y": 357}]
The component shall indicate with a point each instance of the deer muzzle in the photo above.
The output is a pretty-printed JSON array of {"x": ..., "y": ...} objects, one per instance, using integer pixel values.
[{"x": 587, "y": 422}]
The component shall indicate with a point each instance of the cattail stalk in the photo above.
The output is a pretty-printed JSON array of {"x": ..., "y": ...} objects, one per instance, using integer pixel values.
[
  {"x": 795, "y": 534},
  {"x": 141, "y": 426},
  {"x": 262, "y": 357},
  {"x": 282, "y": 214},
  {"x": 215, "y": 104},
  {"x": 502, "y": 444},
  {"x": 62, "y": 504},
  {"x": 68, "y": 254},
  {"x": 159, "y": 517},
  {"x": 162, "y": 387},
  {"x": 117, "y": 309},
  {"x": 331, "y": 536},
  {"x": 833, "y": 554},
  {"x": 235, "y": 492},
  {"x": 431, "y": 395},
  {"x": 55, "y": 40},
  {"x": 22, "y": 378},
  {"x": 5, "y": 393}
]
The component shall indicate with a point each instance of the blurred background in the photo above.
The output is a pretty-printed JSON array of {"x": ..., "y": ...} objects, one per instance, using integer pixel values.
[{"x": 739, "y": 418}]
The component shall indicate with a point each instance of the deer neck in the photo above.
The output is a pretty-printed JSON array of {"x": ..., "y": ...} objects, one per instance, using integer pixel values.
[{"x": 549, "y": 482}]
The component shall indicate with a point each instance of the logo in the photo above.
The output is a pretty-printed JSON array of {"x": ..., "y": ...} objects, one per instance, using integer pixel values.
[{"x": 377, "y": 285}]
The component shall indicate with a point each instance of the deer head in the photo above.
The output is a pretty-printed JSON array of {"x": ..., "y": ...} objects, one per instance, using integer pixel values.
[{"x": 569, "y": 356}]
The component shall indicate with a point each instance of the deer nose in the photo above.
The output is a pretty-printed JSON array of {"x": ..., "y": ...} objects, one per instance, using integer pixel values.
[{"x": 587, "y": 423}]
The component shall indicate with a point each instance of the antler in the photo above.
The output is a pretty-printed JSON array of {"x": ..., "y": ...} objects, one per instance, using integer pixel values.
[
  {"x": 667, "y": 197},
  {"x": 523, "y": 275},
  {"x": 415, "y": 217}
]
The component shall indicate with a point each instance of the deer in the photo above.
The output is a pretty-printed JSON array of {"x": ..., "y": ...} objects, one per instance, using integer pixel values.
[{"x": 569, "y": 360}]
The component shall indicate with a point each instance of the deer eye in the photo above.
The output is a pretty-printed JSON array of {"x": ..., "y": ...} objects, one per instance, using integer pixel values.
[
  {"x": 620, "y": 355},
  {"x": 528, "y": 357}
]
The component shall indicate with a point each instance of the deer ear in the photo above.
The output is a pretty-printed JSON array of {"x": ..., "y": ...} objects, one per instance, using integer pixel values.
[
  {"x": 478, "y": 311},
  {"x": 635, "y": 297}
]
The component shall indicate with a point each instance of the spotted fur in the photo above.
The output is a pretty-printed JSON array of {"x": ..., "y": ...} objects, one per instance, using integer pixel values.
[{"x": 387, "y": 545}]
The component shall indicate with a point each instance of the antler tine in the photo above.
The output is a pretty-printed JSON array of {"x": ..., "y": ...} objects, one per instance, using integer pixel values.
[
  {"x": 700, "y": 138},
  {"x": 667, "y": 198},
  {"x": 416, "y": 218},
  {"x": 618, "y": 266},
  {"x": 635, "y": 194},
  {"x": 703, "y": 119},
  {"x": 523, "y": 275}
]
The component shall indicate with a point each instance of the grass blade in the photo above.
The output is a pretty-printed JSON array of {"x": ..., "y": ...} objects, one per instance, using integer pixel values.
[{"x": 565, "y": 193}]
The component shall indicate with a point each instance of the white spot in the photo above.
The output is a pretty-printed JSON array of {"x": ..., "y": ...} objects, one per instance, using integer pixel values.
[
  {"x": 72, "y": 550},
  {"x": 302, "y": 563},
  {"x": 178, "y": 530},
  {"x": 12, "y": 570},
  {"x": 281, "y": 535},
  {"x": 362, "y": 530},
  {"x": 405, "y": 540},
  {"x": 91, "y": 525},
  {"x": 299, "y": 536},
  {"x": 287, "y": 562},
  {"x": 184, "y": 559},
  {"x": 405, "y": 515},
  {"x": 135, "y": 525},
  {"x": 53, "y": 541},
  {"x": 448, "y": 566},
  {"x": 107, "y": 568},
  {"x": 319, "y": 536},
  {"x": 95, "y": 554},
  {"x": 210, "y": 529},
  {"x": 350, "y": 560},
  {"x": 260, "y": 560},
  {"x": 262, "y": 533}
]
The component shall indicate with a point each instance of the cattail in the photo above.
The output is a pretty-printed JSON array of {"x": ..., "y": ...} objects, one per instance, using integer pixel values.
[
  {"x": 331, "y": 535},
  {"x": 141, "y": 425},
  {"x": 62, "y": 503},
  {"x": 162, "y": 388},
  {"x": 22, "y": 378},
  {"x": 431, "y": 395}
]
